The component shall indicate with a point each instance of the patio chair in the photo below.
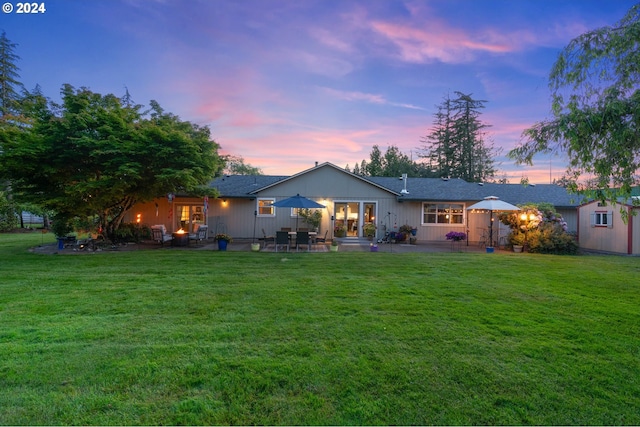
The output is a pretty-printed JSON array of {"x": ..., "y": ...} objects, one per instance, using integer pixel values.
[
  {"x": 200, "y": 233},
  {"x": 159, "y": 234},
  {"x": 266, "y": 238},
  {"x": 322, "y": 239},
  {"x": 282, "y": 239},
  {"x": 302, "y": 238}
]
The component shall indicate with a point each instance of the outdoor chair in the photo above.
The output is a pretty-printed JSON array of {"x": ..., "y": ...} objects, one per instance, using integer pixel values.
[
  {"x": 302, "y": 238},
  {"x": 159, "y": 234},
  {"x": 282, "y": 239},
  {"x": 322, "y": 239},
  {"x": 266, "y": 238},
  {"x": 200, "y": 233}
]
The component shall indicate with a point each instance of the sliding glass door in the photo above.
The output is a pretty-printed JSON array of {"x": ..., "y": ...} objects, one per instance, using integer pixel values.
[{"x": 350, "y": 217}]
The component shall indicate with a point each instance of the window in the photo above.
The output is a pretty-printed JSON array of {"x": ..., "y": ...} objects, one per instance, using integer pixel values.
[
  {"x": 602, "y": 219},
  {"x": 265, "y": 208},
  {"x": 443, "y": 213}
]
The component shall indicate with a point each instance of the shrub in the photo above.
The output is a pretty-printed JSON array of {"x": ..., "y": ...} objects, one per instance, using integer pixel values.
[
  {"x": 132, "y": 232},
  {"x": 61, "y": 225},
  {"x": 542, "y": 230},
  {"x": 8, "y": 214}
]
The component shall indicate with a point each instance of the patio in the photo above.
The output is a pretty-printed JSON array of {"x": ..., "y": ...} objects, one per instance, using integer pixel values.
[{"x": 244, "y": 245}]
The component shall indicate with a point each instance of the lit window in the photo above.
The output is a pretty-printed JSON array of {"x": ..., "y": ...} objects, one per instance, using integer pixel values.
[
  {"x": 443, "y": 213},
  {"x": 265, "y": 208}
]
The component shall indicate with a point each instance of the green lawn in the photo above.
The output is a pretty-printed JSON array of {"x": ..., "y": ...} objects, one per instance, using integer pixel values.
[{"x": 201, "y": 337}]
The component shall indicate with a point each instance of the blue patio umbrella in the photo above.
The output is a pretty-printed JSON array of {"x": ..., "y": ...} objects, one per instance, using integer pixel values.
[{"x": 299, "y": 202}]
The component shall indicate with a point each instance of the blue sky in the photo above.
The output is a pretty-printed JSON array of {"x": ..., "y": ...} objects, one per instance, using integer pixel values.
[{"x": 287, "y": 83}]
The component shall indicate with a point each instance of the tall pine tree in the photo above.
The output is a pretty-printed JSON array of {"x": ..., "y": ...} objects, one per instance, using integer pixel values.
[
  {"x": 10, "y": 86},
  {"x": 456, "y": 146}
]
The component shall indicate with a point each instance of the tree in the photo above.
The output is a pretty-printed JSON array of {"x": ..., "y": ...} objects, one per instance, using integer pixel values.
[
  {"x": 9, "y": 84},
  {"x": 439, "y": 144},
  {"x": 235, "y": 165},
  {"x": 456, "y": 146},
  {"x": 392, "y": 163},
  {"x": 596, "y": 110},
  {"x": 92, "y": 155},
  {"x": 375, "y": 166}
]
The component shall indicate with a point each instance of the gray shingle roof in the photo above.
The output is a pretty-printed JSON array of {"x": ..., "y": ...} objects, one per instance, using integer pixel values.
[
  {"x": 240, "y": 186},
  {"x": 420, "y": 189}
]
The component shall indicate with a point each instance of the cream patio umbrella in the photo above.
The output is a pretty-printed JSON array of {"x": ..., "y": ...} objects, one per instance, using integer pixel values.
[{"x": 492, "y": 203}]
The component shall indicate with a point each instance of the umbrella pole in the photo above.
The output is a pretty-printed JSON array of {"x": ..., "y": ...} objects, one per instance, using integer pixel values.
[
  {"x": 255, "y": 217},
  {"x": 491, "y": 228}
]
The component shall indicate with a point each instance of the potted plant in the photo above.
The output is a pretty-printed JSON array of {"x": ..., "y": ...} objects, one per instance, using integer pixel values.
[
  {"x": 61, "y": 227},
  {"x": 405, "y": 231},
  {"x": 456, "y": 236},
  {"x": 313, "y": 218},
  {"x": 369, "y": 230},
  {"x": 373, "y": 247},
  {"x": 334, "y": 246},
  {"x": 340, "y": 230},
  {"x": 223, "y": 241},
  {"x": 517, "y": 240}
]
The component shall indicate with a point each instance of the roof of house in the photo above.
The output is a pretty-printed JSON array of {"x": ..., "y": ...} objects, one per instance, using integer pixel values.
[
  {"x": 418, "y": 189},
  {"x": 241, "y": 186}
]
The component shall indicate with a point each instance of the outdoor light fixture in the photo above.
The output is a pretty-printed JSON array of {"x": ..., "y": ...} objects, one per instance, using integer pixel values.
[{"x": 138, "y": 218}]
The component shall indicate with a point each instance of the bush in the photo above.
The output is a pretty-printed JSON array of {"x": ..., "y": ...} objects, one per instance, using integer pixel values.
[
  {"x": 543, "y": 231},
  {"x": 61, "y": 225},
  {"x": 8, "y": 214},
  {"x": 132, "y": 232}
]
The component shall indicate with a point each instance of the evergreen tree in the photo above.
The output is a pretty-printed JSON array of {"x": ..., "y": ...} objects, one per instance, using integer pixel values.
[
  {"x": 10, "y": 86},
  {"x": 375, "y": 167},
  {"x": 392, "y": 163},
  {"x": 456, "y": 146}
]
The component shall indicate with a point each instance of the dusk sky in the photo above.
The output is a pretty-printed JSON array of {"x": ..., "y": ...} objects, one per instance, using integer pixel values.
[{"x": 287, "y": 83}]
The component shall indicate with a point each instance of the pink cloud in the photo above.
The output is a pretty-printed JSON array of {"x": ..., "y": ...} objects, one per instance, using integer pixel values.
[{"x": 437, "y": 43}]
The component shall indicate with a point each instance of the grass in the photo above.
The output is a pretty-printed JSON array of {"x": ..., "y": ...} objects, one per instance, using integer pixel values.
[{"x": 201, "y": 337}]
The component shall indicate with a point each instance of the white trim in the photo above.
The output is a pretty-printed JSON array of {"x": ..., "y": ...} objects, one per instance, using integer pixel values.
[
  {"x": 270, "y": 201},
  {"x": 439, "y": 224}
]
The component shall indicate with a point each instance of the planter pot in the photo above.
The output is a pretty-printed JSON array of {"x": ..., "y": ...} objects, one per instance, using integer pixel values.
[
  {"x": 489, "y": 250},
  {"x": 222, "y": 245},
  {"x": 414, "y": 231},
  {"x": 373, "y": 248},
  {"x": 255, "y": 247},
  {"x": 517, "y": 248},
  {"x": 333, "y": 248},
  {"x": 413, "y": 240}
]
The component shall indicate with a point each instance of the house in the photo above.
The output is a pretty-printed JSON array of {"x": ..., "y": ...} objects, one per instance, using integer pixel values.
[
  {"x": 434, "y": 206},
  {"x": 601, "y": 227}
]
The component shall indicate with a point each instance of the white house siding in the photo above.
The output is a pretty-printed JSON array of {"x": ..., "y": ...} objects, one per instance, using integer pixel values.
[{"x": 616, "y": 238}]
